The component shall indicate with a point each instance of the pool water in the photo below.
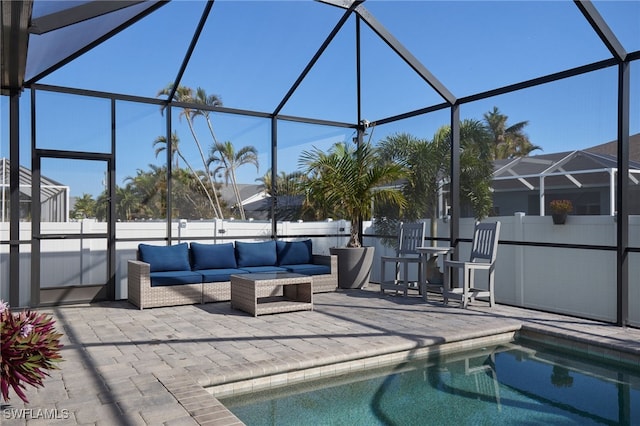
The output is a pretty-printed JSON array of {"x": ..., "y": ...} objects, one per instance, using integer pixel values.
[{"x": 501, "y": 385}]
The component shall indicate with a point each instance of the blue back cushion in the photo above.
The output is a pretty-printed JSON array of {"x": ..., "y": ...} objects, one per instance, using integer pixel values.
[
  {"x": 294, "y": 252},
  {"x": 256, "y": 254},
  {"x": 165, "y": 258},
  {"x": 212, "y": 256}
]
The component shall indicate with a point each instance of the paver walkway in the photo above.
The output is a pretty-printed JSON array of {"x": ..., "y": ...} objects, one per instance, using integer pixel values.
[{"x": 129, "y": 367}]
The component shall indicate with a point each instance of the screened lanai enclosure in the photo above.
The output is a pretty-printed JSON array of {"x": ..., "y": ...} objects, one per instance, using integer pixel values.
[{"x": 165, "y": 119}]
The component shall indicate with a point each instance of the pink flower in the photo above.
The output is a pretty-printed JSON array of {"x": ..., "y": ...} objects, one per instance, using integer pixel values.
[
  {"x": 26, "y": 330},
  {"x": 4, "y": 306}
]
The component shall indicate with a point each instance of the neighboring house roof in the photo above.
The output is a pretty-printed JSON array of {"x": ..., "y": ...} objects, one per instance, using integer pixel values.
[
  {"x": 288, "y": 206},
  {"x": 48, "y": 189},
  {"x": 562, "y": 169},
  {"x": 611, "y": 148},
  {"x": 248, "y": 193}
]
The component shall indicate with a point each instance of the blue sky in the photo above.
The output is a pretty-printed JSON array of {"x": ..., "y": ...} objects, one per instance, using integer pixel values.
[{"x": 250, "y": 53}]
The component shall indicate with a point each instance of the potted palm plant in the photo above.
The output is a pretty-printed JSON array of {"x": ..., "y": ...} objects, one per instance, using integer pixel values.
[
  {"x": 344, "y": 182},
  {"x": 559, "y": 210}
]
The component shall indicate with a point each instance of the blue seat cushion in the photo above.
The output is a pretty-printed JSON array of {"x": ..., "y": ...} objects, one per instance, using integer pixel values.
[
  {"x": 165, "y": 258},
  {"x": 218, "y": 275},
  {"x": 253, "y": 269},
  {"x": 164, "y": 278},
  {"x": 294, "y": 252},
  {"x": 212, "y": 256},
  {"x": 308, "y": 269},
  {"x": 256, "y": 254}
]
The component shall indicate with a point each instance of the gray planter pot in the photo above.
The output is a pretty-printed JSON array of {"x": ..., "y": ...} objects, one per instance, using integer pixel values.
[
  {"x": 559, "y": 218},
  {"x": 354, "y": 265}
]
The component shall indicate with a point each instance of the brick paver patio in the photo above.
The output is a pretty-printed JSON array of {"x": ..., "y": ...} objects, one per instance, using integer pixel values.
[{"x": 129, "y": 367}]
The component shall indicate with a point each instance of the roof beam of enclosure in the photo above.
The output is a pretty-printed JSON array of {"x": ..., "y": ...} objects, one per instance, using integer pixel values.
[
  {"x": 599, "y": 25},
  {"x": 98, "y": 41},
  {"x": 192, "y": 46},
  {"x": 323, "y": 47},
  {"x": 76, "y": 14},
  {"x": 405, "y": 54},
  {"x": 595, "y": 66},
  {"x": 14, "y": 43}
]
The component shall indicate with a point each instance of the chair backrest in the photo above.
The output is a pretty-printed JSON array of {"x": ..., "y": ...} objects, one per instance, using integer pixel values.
[
  {"x": 485, "y": 242},
  {"x": 410, "y": 237}
]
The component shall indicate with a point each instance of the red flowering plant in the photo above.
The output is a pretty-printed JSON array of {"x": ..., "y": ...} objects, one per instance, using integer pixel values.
[{"x": 30, "y": 346}]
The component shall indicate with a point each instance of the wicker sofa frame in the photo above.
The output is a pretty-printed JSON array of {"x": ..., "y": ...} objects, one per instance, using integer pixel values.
[{"x": 142, "y": 295}]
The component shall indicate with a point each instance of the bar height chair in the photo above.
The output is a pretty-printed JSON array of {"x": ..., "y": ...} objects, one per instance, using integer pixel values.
[{"x": 483, "y": 258}]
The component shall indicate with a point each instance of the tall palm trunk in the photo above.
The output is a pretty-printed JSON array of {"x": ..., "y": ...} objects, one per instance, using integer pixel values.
[
  {"x": 197, "y": 178},
  {"x": 215, "y": 142},
  {"x": 218, "y": 210},
  {"x": 237, "y": 192}
]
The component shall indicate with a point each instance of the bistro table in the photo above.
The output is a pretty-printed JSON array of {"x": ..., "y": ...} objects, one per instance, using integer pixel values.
[{"x": 433, "y": 252}]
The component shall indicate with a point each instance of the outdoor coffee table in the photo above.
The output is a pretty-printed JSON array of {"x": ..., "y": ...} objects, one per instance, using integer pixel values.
[{"x": 271, "y": 292}]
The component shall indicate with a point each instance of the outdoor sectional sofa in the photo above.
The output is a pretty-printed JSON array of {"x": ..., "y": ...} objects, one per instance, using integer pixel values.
[{"x": 184, "y": 274}]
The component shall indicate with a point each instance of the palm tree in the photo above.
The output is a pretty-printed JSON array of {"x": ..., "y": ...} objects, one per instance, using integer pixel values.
[
  {"x": 508, "y": 141},
  {"x": 427, "y": 165},
  {"x": 210, "y": 101},
  {"x": 151, "y": 189},
  {"x": 189, "y": 196},
  {"x": 202, "y": 98},
  {"x": 127, "y": 203},
  {"x": 347, "y": 180},
  {"x": 185, "y": 94},
  {"x": 175, "y": 141},
  {"x": 160, "y": 145},
  {"x": 230, "y": 160},
  {"x": 85, "y": 206},
  {"x": 286, "y": 183},
  {"x": 476, "y": 165},
  {"x": 288, "y": 191}
]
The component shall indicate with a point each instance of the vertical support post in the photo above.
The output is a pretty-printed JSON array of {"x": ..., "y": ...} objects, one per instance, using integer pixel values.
[
  {"x": 358, "y": 71},
  {"x": 612, "y": 192},
  {"x": 361, "y": 128},
  {"x": 519, "y": 257},
  {"x": 169, "y": 173},
  {"x": 624, "y": 90},
  {"x": 542, "y": 197},
  {"x": 14, "y": 194},
  {"x": 454, "y": 224},
  {"x": 274, "y": 177},
  {"x": 111, "y": 218},
  {"x": 36, "y": 209}
]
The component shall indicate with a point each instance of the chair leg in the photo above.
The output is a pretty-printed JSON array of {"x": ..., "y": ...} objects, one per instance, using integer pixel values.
[
  {"x": 446, "y": 285},
  {"x": 492, "y": 298},
  {"x": 406, "y": 279}
]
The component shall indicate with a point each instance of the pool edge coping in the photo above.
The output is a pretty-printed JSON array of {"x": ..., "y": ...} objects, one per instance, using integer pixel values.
[{"x": 200, "y": 398}]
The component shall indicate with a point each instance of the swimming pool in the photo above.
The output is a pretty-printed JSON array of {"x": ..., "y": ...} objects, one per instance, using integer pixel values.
[{"x": 514, "y": 383}]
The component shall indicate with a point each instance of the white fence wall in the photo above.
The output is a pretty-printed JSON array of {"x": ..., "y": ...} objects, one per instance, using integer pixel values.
[{"x": 571, "y": 281}]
